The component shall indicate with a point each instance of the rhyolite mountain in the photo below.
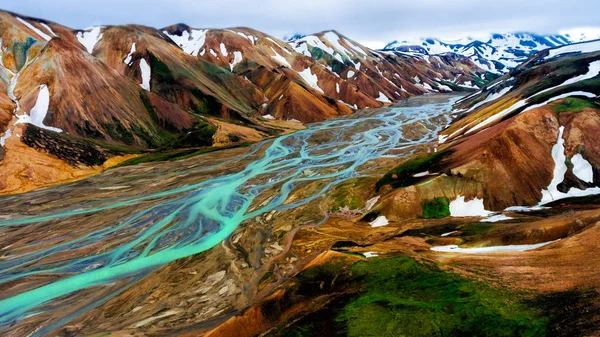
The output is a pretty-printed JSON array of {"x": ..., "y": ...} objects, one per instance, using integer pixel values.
[
  {"x": 498, "y": 54},
  {"x": 525, "y": 140},
  {"x": 80, "y": 97}
]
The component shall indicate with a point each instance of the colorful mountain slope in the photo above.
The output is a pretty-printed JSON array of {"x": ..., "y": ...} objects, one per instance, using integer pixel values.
[
  {"x": 83, "y": 96},
  {"x": 525, "y": 140}
]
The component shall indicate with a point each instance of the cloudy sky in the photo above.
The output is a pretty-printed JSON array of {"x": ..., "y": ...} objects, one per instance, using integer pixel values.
[{"x": 371, "y": 22}]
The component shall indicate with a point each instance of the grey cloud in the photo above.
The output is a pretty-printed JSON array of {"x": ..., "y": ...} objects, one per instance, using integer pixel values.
[{"x": 364, "y": 21}]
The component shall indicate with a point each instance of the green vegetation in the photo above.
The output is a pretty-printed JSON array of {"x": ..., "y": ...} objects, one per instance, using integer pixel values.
[
  {"x": 399, "y": 296},
  {"x": 201, "y": 135},
  {"x": 488, "y": 77},
  {"x": 476, "y": 229},
  {"x": 572, "y": 104},
  {"x": 436, "y": 209},
  {"x": 403, "y": 175},
  {"x": 160, "y": 71},
  {"x": 205, "y": 104},
  {"x": 149, "y": 107}
]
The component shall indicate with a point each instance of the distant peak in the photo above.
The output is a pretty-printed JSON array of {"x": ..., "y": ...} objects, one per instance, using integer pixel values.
[
  {"x": 177, "y": 28},
  {"x": 293, "y": 37}
]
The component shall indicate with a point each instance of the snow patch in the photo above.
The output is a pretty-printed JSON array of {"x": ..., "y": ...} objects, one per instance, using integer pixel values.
[
  {"x": 371, "y": 202},
  {"x": 3, "y": 139},
  {"x": 268, "y": 117},
  {"x": 89, "y": 37},
  {"x": 48, "y": 29},
  {"x": 145, "y": 68},
  {"x": 460, "y": 207},
  {"x": 311, "y": 79},
  {"x": 370, "y": 254},
  {"x": 237, "y": 58},
  {"x": 582, "y": 169},
  {"x": 587, "y": 47},
  {"x": 39, "y": 111},
  {"x": 490, "y": 249},
  {"x": 383, "y": 98},
  {"x": 223, "y": 49},
  {"x": 496, "y": 218},
  {"x": 422, "y": 174},
  {"x": 379, "y": 222},
  {"x": 37, "y": 31},
  {"x": 524, "y": 208},
  {"x": 190, "y": 42},
  {"x": 280, "y": 58},
  {"x": 127, "y": 60},
  {"x": 551, "y": 193},
  {"x": 350, "y": 74}
]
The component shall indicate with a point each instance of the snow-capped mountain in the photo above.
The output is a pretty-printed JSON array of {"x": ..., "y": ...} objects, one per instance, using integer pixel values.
[
  {"x": 499, "y": 53},
  {"x": 581, "y": 34}
]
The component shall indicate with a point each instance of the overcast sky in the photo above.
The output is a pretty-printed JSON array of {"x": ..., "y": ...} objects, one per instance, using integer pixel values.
[{"x": 373, "y": 22}]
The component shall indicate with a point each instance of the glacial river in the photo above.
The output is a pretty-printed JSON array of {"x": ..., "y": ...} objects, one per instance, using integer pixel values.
[{"x": 197, "y": 216}]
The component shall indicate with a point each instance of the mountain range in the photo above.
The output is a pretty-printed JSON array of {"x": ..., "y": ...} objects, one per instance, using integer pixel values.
[
  {"x": 76, "y": 98},
  {"x": 472, "y": 213},
  {"x": 499, "y": 53}
]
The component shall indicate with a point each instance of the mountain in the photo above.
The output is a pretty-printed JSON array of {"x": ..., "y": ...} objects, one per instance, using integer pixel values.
[
  {"x": 77, "y": 98},
  {"x": 524, "y": 141},
  {"x": 498, "y": 54},
  {"x": 581, "y": 34}
]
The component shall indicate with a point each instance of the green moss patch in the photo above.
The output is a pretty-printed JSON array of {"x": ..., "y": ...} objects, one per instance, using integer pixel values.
[
  {"x": 399, "y": 296},
  {"x": 572, "y": 104},
  {"x": 436, "y": 209}
]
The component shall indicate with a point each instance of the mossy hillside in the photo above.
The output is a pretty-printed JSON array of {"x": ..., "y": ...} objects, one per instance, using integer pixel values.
[
  {"x": 574, "y": 105},
  {"x": 566, "y": 71},
  {"x": 201, "y": 133},
  {"x": 399, "y": 296},
  {"x": 174, "y": 80},
  {"x": 204, "y": 104},
  {"x": 403, "y": 175},
  {"x": 552, "y": 74}
]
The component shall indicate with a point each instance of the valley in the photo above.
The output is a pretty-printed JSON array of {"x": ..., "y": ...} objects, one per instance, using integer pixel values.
[
  {"x": 292, "y": 174},
  {"x": 223, "y": 182}
]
